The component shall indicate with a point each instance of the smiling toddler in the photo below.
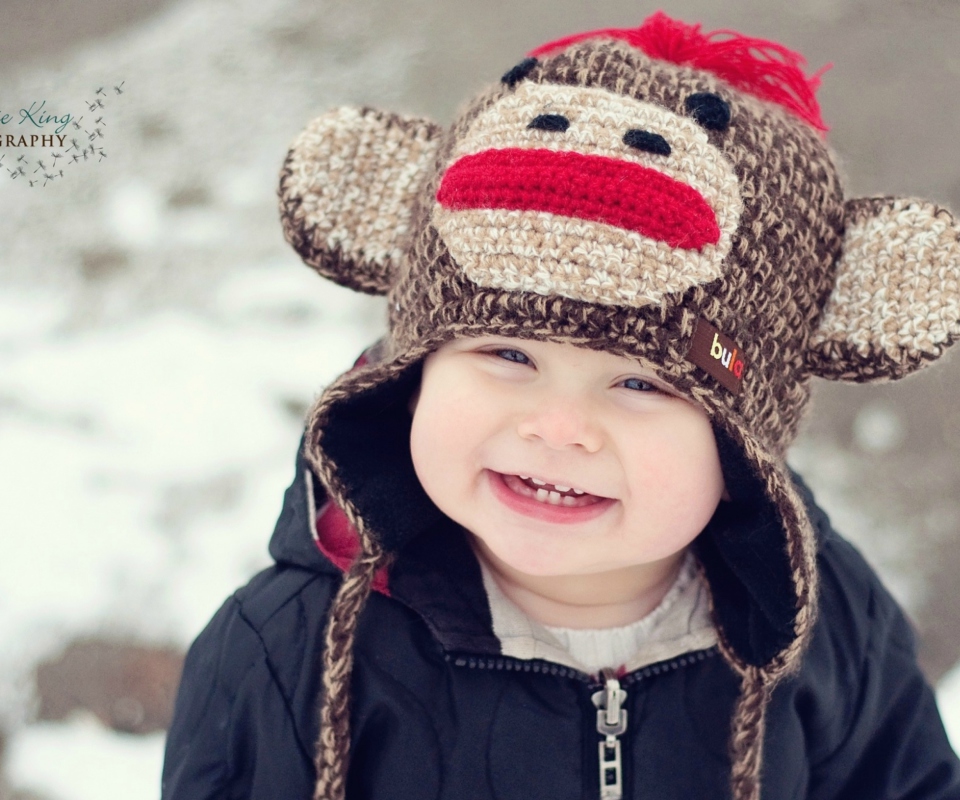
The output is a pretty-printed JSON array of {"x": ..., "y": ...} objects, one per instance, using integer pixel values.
[{"x": 542, "y": 539}]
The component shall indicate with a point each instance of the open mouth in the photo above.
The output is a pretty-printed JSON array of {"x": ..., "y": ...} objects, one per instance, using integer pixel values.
[
  {"x": 554, "y": 494},
  {"x": 550, "y": 502}
]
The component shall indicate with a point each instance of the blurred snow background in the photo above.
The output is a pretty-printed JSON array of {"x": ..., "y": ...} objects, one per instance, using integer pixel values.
[{"x": 159, "y": 342}]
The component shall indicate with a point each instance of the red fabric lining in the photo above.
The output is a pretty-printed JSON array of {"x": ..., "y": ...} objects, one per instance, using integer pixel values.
[
  {"x": 765, "y": 69},
  {"x": 594, "y": 188},
  {"x": 337, "y": 540}
]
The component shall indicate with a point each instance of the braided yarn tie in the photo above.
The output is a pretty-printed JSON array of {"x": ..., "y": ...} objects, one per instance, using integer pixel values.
[
  {"x": 746, "y": 741},
  {"x": 333, "y": 745}
]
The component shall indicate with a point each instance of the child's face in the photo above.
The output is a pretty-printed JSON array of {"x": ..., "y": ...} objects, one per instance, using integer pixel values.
[{"x": 492, "y": 410}]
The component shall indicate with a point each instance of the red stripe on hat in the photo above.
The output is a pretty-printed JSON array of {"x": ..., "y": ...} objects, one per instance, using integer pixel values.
[{"x": 594, "y": 188}]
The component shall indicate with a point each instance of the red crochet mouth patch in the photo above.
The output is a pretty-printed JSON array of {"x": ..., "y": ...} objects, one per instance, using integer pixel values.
[{"x": 593, "y": 188}]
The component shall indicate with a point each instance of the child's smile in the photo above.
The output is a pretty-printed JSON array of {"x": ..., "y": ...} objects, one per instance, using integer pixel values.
[
  {"x": 547, "y": 501},
  {"x": 552, "y": 492}
]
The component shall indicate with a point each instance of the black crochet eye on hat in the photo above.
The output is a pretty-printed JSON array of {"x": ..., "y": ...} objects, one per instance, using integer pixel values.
[{"x": 708, "y": 232}]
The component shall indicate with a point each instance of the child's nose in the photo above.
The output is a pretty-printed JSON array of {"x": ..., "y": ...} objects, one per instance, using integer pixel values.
[{"x": 561, "y": 423}]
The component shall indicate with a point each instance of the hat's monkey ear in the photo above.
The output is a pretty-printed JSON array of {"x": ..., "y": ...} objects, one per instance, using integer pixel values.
[
  {"x": 348, "y": 189},
  {"x": 895, "y": 304}
]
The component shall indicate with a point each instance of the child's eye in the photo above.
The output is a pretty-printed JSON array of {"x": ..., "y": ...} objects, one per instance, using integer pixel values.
[
  {"x": 511, "y": 355},
  {"x": 640, "y": 385}
]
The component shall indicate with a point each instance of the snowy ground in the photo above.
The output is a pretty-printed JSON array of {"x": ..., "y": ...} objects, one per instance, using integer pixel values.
[
  {"x": 159, "y": 345},
  {"x": 139, "y": 510}
]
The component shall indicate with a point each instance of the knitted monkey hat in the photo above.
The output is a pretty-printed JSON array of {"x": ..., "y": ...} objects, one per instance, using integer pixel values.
[{"x": 658, "y": 193}]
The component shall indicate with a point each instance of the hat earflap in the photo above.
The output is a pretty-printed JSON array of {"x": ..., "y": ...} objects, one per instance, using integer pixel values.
[
  {"x": 348, "y": 191},
  {"x": 895, "y": 303}
]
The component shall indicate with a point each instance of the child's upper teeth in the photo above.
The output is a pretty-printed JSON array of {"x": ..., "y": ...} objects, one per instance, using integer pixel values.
[{"x": 557, "y": 487}]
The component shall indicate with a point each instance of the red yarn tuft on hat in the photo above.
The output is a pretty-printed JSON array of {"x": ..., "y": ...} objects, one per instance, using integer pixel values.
[{"x": 759, "y": 67}]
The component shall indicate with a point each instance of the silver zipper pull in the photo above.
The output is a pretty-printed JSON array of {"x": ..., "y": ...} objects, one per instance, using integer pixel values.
[{"x": 611, "y": 722}]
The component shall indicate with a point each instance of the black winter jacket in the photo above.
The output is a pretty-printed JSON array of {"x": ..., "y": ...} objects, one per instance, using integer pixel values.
[{"x": 438, "y": 713}]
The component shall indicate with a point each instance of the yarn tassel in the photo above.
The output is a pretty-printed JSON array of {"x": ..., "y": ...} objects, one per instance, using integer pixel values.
[
  {"x": 746, "y": 740},
  {"x": 333, "y": 745},
  {"x": 758, "y": 66}
]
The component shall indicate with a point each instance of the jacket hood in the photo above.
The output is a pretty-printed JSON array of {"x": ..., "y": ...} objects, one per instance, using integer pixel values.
[
  {"x": 757, "y": 552},
  {"x": 435, "y": 572}
]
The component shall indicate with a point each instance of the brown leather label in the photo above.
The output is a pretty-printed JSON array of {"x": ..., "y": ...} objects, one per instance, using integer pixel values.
[{"x": 718, "y": 355}]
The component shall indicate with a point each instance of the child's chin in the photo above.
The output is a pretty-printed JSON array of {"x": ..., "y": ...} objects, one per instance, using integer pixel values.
[
  {"x": 526, "y": 555},
  {"x": 535, "y": 567}
]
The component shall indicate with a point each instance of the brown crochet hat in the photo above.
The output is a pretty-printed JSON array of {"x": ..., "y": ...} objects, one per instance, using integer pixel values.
[{"x": 655, "y": 192}]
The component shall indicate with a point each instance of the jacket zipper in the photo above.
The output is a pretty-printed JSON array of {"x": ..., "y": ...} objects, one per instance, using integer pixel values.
[
  {"x": 611, "y": 723},
  {"x": 609, "y": 699}
]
